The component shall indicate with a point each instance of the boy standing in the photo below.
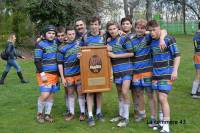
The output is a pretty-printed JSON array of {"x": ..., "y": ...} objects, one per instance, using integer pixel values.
[
  {"x": 45, "y": 54},
  {"x": 165, "y": 69},
  {"x": 69, "y": 68}
]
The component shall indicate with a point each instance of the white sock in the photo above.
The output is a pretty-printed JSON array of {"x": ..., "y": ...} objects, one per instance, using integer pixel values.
[
  {"x": 90, "y": 114},
  {"x": 166, "y": 125},
  {"x": 48, "y": 106},
  {"x": 195, "y": 87},
  {"x": 160, "y": 115},
  {"x": 126, "y": 110},
  {"x": 67, "y": 102},
  {"x": 40, "y": 106},
  {"x": 71, "y": 98},
  {"x": 121, "y": 111},
  {"x": 98, "y": 110},
  {"x": 142, "y": 112},
  {"x": 81, "y": 100}
]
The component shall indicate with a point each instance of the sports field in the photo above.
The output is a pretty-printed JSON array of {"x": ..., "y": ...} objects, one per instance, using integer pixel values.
[{"x": 18, "y": 104}]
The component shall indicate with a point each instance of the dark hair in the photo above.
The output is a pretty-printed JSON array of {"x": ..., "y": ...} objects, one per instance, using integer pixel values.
[
  {"x": 126, "y": 19},
  {"x": 110, "y": 23},
  {"x": 68, "y": 28},
  {"x": 60, "y": 29},
  {"x": 80, "y": 19},
  {"x": 152, "y": 23},
  {"x": 49, "y": 28},
  {"x": 94, "y": 19}
]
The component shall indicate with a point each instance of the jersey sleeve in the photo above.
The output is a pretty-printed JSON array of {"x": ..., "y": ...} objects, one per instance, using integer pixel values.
[
  {"x": 126, "y": 43},
  {"x": 60, "y": 56},
  {"x": 173, "y": 47},
  {"x": 38, "y": 53}
]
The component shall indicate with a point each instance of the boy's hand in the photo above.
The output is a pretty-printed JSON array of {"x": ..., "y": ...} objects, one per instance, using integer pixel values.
[
  {"x": 44, "y": 77},
  {"x": 162, "y": 45},
  {"x": 174, "y": 75},
  {"x": 109, "y": 48},
  {"x": 111, "y": 54},
  {"x": 79, "y": 55},
  {"x": 64, "y": 82},
  {"x": 121, "y": 33}
]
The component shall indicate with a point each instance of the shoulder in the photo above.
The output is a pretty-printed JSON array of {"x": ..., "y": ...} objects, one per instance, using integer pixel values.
[{"x": 170, "y": 40}]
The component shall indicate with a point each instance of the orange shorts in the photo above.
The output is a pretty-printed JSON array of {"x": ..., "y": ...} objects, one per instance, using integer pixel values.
[
  {"x": 52, "y": 79},
  {"x": 142, "y": 79},
  {"x": 142, "y": 75},
  {"x": 197, "y": 61},
  {"x": 73, "y": 82}
]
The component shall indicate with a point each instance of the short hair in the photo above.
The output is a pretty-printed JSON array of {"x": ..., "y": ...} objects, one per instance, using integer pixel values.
[
  {"x": 60, "y": 29},
  {"x": 110, "y": 23},
  {"x": 68, "y": 28},
  {"x": 141, "y": 22},
  {"x": 94, "y": 19},
  {"x": 153, "y": 23},
  {"x": 80, "y": 19},
  {"x": 126, "y": 19}
]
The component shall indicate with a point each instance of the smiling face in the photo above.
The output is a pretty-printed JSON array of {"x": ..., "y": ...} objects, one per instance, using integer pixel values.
[
  {"x": 126, "y": 26},
  {"x": 95, "y": 27},
  {"x": 113, "y": 30},
  {"x": 155, "y": 32},
  {"x": 80, "y": 26},
  {"x": 140, "y": 30},
  {"x": 71, "y": 34},
  {"x": 61, "y": 36},
  {"x": 50, "y": 35}
]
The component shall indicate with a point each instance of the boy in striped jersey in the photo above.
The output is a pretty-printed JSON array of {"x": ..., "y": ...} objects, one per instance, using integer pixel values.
[
  {"x": 142, "y": 69},
  {"x": 45, "y": 54},
  {"x": 196, "y": 82},
  {"x": 165, "y": 69},
  {"x": 69, "y": 68},
  {"x": 126, "y": 25},
  {"x": 94, "y": 38},
  {"x": 122, "y": 70},
  {"x": 61, "y": 40}
]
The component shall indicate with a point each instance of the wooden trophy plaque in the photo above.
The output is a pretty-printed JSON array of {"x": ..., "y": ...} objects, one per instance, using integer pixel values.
[{"x": 95, "y": 69}]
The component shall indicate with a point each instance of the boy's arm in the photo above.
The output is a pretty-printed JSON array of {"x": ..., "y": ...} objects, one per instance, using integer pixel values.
[
  {"x": 125, "y": 55},
  {"x": 60, "y": 68},
  {"x": 162, "y": 44},
  {"x": 175, "y": 68}
]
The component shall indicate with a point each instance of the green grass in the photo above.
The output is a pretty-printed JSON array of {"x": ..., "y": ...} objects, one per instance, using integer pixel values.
[{"x": 18, "y": 103}]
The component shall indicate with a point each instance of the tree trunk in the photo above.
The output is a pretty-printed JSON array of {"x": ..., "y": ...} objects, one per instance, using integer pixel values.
[
  {"x": 148, "y": 10},
  {"x": 126, "y": 11},
  {"x": 183, "y": 10}
]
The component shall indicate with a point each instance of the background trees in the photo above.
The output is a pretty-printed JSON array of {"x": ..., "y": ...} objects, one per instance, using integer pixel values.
[{"x": 27, "y": 18}]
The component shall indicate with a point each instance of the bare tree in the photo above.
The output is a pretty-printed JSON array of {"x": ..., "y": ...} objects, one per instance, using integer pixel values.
[
  {"x": 149, "y": 9},
  {"x": 129, "y": 5}
]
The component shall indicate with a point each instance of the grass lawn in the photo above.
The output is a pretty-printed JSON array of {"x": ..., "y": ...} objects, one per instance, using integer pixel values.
[{"x": 18, "y": 103}]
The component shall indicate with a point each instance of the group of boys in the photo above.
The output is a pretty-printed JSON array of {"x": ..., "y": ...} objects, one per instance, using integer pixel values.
[{"x": 141, "y": 61}]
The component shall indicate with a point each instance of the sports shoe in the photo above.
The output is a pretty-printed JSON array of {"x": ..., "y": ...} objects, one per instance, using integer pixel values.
[
  {"x": 195, "y": 96},
  {"x": 100, "y": 117},
  {"x": 82, "y": 117},
  {"x": 163, "y": 131},
  {"x": 140, "y": 117},
  {"x": 40, "y": 118},
  {"x": 123, "y": 123},
  {"x": 69, "y": 117},
  {"x": 48, "y": 118},
  {"x": 91, "y": 122},
  {"x": 152, "y": 123},
  {"x": 116, "y": 119}
]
